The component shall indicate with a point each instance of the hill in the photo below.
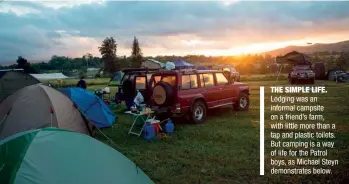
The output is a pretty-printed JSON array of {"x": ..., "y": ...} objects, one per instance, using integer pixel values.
[{"x": 319, "y": 47}]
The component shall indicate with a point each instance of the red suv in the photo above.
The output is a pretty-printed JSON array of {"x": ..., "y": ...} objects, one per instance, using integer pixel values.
[{"x": 193, "y": 92}]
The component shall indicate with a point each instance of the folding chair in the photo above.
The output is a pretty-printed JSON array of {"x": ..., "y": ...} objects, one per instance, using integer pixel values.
[{"x": 144, "y": 118}]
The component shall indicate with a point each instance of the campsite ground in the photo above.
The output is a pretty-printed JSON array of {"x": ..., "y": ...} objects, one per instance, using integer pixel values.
[{"x": 225, "y": 149}]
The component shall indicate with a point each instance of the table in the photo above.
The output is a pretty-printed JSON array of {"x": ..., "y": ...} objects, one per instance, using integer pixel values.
[{"x": 144, "y": 117}]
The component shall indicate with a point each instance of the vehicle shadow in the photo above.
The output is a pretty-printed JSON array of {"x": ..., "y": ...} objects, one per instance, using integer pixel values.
[
  {"x": 212, "y": 113},
  {"x": 220, "y": 111}
]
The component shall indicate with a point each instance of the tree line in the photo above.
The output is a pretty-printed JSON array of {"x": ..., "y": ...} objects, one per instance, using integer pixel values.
[{"x": 110, "y": 62}]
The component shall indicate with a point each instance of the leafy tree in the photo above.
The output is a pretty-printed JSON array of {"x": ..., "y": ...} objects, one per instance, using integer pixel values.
[
  {"x": 108, "y": 52},
  {"x": 88, "y": 59},
  {"x": 136, "y": 54},
  {"x": 66, "y": 66},
  {"x": 22, "y": 63}
]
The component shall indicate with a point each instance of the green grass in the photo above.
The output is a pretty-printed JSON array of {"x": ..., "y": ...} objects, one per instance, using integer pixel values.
[
  {"x": 225, "y": 149},
  {"x": 102, "y": 82},
  {"x": 92, "y": 83},
  {"x": 262, "y": 77}
]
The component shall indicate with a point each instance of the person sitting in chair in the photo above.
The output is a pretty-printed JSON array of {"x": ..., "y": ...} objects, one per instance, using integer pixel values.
[{"x": 81, "y": 83}]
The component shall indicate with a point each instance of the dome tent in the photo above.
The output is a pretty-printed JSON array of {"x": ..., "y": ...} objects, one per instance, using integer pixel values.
[
  {"x": 91, "y": 106},
  {"x": 52, "y": 155},
  {"x": 13, "y": 80},
  {"x": 39, "y": 106},
  {"x": 181, "y": 64}
]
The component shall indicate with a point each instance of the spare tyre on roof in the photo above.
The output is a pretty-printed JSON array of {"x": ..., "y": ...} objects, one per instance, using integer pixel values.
[{"x": 163, "y": 93}]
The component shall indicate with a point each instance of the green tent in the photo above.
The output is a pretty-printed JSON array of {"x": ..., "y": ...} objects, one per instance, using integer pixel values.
[
  {"x": 116, "y": 79},
  {"x": 13, "y": 80},
  {"x": 52, "y": 155}
]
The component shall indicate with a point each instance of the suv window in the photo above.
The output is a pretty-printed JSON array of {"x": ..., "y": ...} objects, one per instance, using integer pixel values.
[
  {"x": 185, "y": 81},
  {"x": 141, "y": 82},
  {"x": 189, "y": 81},
  {"x": 132, "y": 77},
  {"x": 157, "y": 79},
  {"x": 221, "y": 79},
  {"x": 170, "y": 79},
  {"x": 194, "y": 81},
  {"x": 126, "y": 76},
  {"x": 207, "y": 80},
  {"x": 149, "y": 76}
]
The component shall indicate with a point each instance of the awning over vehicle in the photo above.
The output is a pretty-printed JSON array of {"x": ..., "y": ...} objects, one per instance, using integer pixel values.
[
  {"x": 49, "y": 76},
  {"x": 293, "y": 58}
]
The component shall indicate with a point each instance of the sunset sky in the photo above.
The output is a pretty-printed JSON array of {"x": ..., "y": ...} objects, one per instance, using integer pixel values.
[{"x": 37, "y": 30}]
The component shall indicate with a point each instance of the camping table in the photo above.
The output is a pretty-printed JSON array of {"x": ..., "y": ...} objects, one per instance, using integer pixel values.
[{"x": 144, "y": 117}]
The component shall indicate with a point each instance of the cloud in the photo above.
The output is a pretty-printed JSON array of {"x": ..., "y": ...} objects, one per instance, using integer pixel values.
[{"x": 38, "y": 30}]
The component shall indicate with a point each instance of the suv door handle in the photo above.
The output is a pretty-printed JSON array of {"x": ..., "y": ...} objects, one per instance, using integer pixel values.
[{"x": 220, "y": 88}]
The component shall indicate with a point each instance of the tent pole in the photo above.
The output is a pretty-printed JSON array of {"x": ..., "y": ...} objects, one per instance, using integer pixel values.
[
  {"x": 279, "y": 73},
  {"x": 106, "y": 136},
  {"x": 51, "y": 112},
  {"x": 3, "y": 119}
]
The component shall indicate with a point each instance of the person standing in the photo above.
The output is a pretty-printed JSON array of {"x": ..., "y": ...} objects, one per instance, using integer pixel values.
[{"x": 81, "y": 83}]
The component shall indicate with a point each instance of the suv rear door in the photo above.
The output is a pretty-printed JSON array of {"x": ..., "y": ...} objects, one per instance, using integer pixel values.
[
  {"x": 225, "y": 89},
  {"x": 211, "y": 91},
  {"x": 189, "y": 88}
]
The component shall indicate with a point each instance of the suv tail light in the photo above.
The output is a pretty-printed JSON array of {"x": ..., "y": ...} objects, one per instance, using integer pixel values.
[{"x": 176, "y": 108}]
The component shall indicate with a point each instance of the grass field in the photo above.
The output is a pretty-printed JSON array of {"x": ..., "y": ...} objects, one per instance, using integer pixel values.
[
  {"x": 102, "y": 82},
  {"x": 92, "y": 83},
  {"x": 225, "y": 149}
]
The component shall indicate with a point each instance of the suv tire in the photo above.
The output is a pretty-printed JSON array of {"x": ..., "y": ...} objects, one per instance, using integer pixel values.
[
  {"x": 198, "y": 112},
  {"x": 165, "y": 91},
  {"x": 243, "y": 102}
]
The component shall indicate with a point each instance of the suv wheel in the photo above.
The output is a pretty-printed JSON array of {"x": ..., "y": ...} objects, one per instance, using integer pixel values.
[
  {"x": 198, "y": 112},
  {"x": 243, "y": 102}
]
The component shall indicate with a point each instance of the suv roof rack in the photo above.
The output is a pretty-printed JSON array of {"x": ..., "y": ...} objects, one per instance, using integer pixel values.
[
  {"x": 196, "y": 70},
  {"x": 139, "y": 70}
]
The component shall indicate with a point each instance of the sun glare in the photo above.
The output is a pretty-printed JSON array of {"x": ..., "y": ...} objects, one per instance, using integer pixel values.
[{"x": 255, "y": 48}]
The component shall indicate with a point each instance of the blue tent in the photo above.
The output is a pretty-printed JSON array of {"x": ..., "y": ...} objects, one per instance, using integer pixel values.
[
  {"x": 180, "y": 63},
  {"x": 91, "y": 106}
]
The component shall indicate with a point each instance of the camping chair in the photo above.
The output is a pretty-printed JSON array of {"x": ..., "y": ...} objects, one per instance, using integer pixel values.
[{"x": 140, "y": 119}]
